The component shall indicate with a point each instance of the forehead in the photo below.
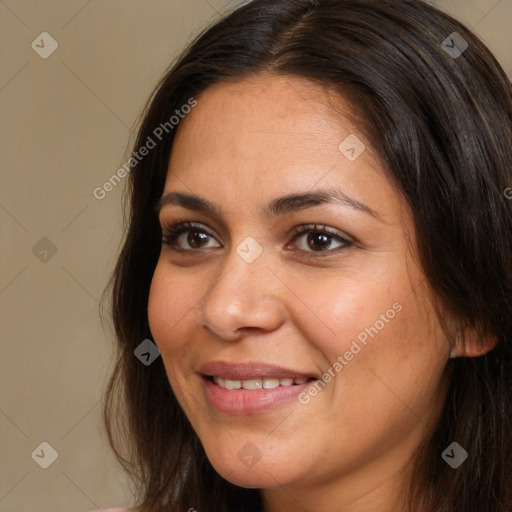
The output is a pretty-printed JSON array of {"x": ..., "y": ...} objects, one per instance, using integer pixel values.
[
  {"x": 266, "y": 109},
  {"x": 270, "y": 135}
]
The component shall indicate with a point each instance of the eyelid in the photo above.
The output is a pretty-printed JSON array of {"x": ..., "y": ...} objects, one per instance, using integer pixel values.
[
  {"x": 179, "y": 227},
  {"x": 179, "y": 220},
  {"x": 320, "y": 228},
  {"x": 346, "y": 241}
]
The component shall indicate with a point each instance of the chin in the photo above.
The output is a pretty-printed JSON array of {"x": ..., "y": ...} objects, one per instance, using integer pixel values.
[
  {"x": 239, "y": 469},
  {"x": 250, "y": 478}
]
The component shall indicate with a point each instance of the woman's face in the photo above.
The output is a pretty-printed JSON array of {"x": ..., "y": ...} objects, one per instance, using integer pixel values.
[{"x": 242, "y": 297}]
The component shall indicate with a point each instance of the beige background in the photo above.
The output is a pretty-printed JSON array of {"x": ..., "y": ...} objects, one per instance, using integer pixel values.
[{"x": 66, "y": 122}]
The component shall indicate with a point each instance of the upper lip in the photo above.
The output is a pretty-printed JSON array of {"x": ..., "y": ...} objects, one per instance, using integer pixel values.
[{"x": 250, "y": 370}]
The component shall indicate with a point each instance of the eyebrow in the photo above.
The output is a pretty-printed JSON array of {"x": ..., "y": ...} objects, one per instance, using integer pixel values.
[{"x": 279, "y": 206}]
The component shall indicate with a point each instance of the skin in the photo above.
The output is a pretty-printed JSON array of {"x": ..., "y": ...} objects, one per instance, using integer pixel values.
[{"x": 245, "y": 144}]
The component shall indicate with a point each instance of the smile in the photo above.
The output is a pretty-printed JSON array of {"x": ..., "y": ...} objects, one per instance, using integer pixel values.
[
  {"x": 251, "y": 384},
  {"x": 246, "y": 388}
]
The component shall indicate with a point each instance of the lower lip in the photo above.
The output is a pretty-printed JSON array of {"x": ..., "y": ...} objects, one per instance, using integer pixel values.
[{"x": 248, "y": 401}]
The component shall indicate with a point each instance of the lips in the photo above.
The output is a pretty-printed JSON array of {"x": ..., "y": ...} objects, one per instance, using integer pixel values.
[
  {"x": 251, "y": 371},
  {"x": 250, "y": 388}
]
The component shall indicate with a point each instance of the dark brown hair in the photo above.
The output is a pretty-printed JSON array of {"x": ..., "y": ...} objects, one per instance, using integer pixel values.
[{"x": 442, "y": 126}]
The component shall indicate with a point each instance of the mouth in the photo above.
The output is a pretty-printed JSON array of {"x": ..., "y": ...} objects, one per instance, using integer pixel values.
[
  {"x": 264, "y": 383},
  {"x": 254, "y": 371},
  {"x": 250, "y": 388}
]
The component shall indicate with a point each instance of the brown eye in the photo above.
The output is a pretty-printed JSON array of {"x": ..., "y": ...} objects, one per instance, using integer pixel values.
[
  {"x": 317, "y": 239},
  {"x": 197, "y": 238},
  {"x": 187, "y": 236}
]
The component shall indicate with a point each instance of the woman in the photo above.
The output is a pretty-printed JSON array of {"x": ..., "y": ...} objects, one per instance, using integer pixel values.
[{"x": 313, "y": 300}]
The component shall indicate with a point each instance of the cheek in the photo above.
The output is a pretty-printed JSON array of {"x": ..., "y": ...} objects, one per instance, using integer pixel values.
[
  {"x": 349, "y": 308},
  {"x": 398, "y": 371},
  {"x": 387, "y": 336},
  {"x": 169, "y": 306},
  {"x": 159, "y": 311}
]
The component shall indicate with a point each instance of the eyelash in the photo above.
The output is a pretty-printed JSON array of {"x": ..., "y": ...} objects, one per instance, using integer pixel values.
[{"x": 171, "y": 233}]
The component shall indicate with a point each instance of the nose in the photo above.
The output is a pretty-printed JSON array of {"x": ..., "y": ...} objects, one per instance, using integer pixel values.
[{"x": 245, "y": 296}]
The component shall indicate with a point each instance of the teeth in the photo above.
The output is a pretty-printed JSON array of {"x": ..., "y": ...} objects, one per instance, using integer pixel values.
[
  {"x": 265, "y": 383},
  {"x": 270, "y": 383},
  {"x": 252, "y": 384},
  {"x": 232, "y": 384}
]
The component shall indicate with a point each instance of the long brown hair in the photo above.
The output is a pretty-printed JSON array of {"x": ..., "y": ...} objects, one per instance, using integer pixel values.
[{"x": 439, "y": 114}]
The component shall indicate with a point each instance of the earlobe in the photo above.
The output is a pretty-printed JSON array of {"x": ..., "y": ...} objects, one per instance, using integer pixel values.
[
  {"x": 455, "y": 353},
  {"x": 470, "y": 344}
]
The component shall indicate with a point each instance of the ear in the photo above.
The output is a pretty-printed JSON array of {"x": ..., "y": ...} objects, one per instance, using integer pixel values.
[{"x": 470, "y": 344}]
